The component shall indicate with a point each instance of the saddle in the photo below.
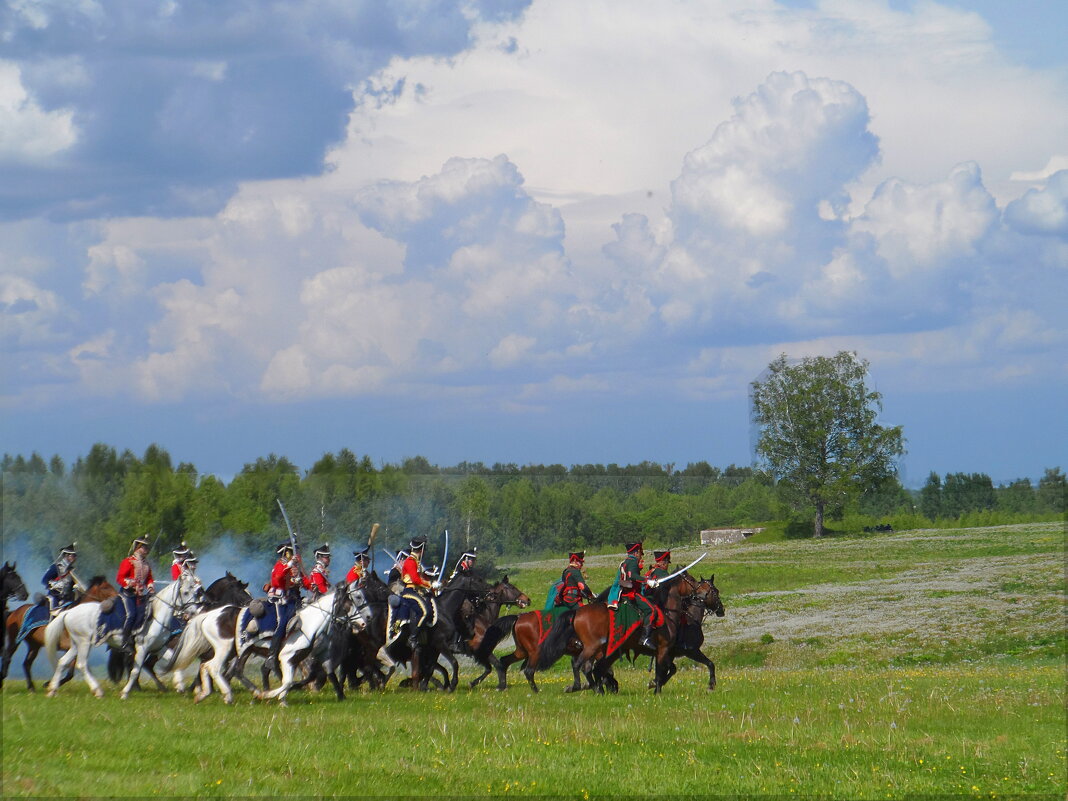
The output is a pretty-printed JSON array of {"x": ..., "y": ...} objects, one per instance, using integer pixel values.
[{"x": 35, "y": 617}]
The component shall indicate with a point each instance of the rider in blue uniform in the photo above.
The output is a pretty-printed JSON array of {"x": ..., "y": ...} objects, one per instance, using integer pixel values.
[{"x": 59, "y": 580}]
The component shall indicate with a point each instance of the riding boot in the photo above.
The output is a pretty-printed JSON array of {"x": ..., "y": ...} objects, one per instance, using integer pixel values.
[
  {"x": 272, "y": 656},
  {"x": 127, "y": 646},
  {"x": 647, "y": 634}
]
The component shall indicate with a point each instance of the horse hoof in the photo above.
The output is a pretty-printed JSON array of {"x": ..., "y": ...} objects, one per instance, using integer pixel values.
[
  {"x": 99, "y": 693},
  {"x": 228, "y": 699},
  {"x": 50, "y": 694}
]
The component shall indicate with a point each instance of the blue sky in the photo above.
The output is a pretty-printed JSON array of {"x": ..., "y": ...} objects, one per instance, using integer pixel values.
[{"x": 524, "y": 232}]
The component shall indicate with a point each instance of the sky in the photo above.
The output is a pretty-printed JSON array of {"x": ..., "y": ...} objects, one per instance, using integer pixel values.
[{"x": 529, "y": 231}]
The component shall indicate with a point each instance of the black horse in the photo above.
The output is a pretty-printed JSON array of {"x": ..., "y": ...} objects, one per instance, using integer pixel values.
[
  {"x": 691, "y": 635},
  {"x": 11, "y": 586}
]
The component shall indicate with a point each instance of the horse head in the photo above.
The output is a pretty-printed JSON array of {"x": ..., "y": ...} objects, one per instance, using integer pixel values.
[
  {"x": 228, "y": 590},
  {"x": 100, "y": 589},
  {"x": 504, "y": 592},
  {"x": 709, "y": 593},
  {"x": 12, "y": 584}
]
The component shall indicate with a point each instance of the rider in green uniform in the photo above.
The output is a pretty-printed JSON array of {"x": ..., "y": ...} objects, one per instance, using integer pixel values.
[{"x": 572, "y": 590}]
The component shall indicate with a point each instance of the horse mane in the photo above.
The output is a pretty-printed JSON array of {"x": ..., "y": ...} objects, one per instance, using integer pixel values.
[{"x": 96, "y": 581}]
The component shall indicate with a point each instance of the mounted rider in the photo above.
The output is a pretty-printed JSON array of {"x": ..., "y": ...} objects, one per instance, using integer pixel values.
[
  {"x": 135, "y": 586},
  {"x": 59, "y": 580},
  {"x": 360, "y": 566},
  {"x": 182, "y": 555},
  {"x": 415, "y": 602},
  {"x": 629, "y": 584},
  {"x": 284, "y": 592},
  {"x": 318, "y": 581},
  {"x": 572, "y": 591},
  {"x": 661, "y": 567},
  {"x": 465, "y": 565},
  {"x": 396, "y": 586}
]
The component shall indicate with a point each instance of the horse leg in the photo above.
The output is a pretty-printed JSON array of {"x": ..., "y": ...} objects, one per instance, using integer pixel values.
[
  {"x": 204, "y": 674},
  {"x": 237, "y": 670},
  {"x": 135, "y": 671},
  {"x": 9, "y": 651},
  {"x": 32, "y": 649},
  {"x": 454, "y": 666},
  {"x": 214, "y": 668},
  {"x": 698, "y": 656},
  {"x": 339, "y": 689},
  {"x": 65, "y": 664},
  {"x": 502, "y": 666},
  {"x": 82, "y": 663}
]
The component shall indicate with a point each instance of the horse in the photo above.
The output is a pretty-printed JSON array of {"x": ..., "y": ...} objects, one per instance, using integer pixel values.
[
  {"x": 342, "y": 609},
  {"x": 528, "y": 631},
  {"x": 11, "y": 586},
  {"x": 98, "y": 590},
  {"x": 360, "y": 661},
  {"x": 487, "y": 609},
  {"x": 690, "y": 637},
  {"x": 168, "y": 610},
  {"x": 593, "y": 626},
  {"x": 81, "y": 623},
  {"x": 441, "y": 639}
]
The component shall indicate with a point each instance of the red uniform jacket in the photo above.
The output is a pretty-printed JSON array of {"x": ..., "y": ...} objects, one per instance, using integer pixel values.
[
  {"x": 176, "y": 571},
  {"x": 411, "y": 575},
  {"x": 284, "y": 577},
  {"x": 355, "y": 574},
  {"x": 134, "y": 575},
  {"x": 317, "y": 580}
]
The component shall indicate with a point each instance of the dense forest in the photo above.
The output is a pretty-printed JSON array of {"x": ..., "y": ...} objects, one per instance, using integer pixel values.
[{"x": 106, "y": 498}]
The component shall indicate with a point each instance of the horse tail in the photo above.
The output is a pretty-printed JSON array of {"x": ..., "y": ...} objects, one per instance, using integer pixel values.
[
  {"x": 53, "y": 631},
  {"x": 191, "y": 643},
  {"x": 556, "y": 640},
  {"x": 500, "y": 629}
]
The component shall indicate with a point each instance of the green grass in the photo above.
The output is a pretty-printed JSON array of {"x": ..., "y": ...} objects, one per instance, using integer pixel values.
[{"x": 913, "y": 663}]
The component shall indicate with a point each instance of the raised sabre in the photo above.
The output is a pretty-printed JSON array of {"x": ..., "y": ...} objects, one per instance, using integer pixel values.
[
  {"x": 678, "y": 573},
  {"x": 292, "y": 536},
  {"x": 445, "y": 557}
]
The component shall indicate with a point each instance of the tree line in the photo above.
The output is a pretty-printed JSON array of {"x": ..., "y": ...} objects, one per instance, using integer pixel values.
[{"x": 106, "y": 498}]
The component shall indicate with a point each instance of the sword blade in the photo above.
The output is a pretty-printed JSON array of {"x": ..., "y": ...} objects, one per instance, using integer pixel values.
[{"x": 678, "y": 573}]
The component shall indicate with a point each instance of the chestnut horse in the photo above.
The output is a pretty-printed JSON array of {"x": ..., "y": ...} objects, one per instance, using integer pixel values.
[
  {"x": 592, "y": 625},
  {"x": 99, "y": 590}
]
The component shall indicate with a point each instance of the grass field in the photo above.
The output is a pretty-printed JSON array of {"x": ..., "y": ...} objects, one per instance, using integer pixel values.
[{"x": 876, "y": 666}]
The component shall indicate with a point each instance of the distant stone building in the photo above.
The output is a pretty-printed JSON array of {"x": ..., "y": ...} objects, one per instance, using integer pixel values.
[{"x": 725, "y": 536}]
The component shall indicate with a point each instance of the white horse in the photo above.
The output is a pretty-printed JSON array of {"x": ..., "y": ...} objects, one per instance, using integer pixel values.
[
  {"x": 80, "y": 624},
  {"x": 179, "y": 600},
  {"x": 337, "y": 612}
]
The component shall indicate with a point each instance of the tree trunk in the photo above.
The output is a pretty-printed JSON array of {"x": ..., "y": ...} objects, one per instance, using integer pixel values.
[{"x": 818, "y": 526}]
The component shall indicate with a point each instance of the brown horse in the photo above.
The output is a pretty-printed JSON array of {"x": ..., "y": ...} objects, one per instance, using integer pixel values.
[
  {"x": 98, "y": 590},
  {"x": 592, "y": 625}
]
